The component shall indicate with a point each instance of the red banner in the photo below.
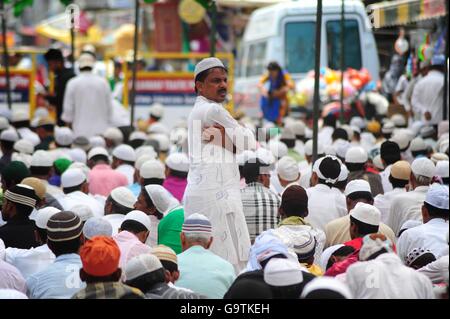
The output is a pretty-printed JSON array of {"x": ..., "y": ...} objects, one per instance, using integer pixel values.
[{"x": 168, "y": 31}]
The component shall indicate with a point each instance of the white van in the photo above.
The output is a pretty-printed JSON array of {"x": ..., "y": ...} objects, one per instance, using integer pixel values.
[{"x": 285, "y": 33}]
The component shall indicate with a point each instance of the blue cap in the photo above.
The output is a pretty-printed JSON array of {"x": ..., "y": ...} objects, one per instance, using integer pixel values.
[{"x": 438, "y": 59}]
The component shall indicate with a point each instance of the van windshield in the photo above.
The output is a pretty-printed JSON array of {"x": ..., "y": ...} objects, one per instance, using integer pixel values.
[
  {"x": 299, "y": 38},
  {"x": 254, "y": 63},
  {"x": 352, "y": 46}
]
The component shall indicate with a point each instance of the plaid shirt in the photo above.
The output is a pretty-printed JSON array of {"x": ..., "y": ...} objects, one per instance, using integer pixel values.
[
  {"x": 260, "y": 206},
  {"x": 108, "y": 290}
]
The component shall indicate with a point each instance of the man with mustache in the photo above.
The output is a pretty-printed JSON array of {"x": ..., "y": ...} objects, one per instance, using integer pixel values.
[{"x": 214, "y": 138}]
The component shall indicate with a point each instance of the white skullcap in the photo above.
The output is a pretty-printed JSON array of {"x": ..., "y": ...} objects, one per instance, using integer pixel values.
[
  {"x": 303, "y": 243},
  {"x": 287, "y": 169},
  {"x": 161, "y": 198},
  {"x": 4, "y": 123},
  {"x": 378, "y": 162},
  {"x": 140, "y": 217},
  {"x": 158, "y": 128},
  {"x": 287, "y": 133},
  {"x": 138, "y": 135},
  {"x": 439, "y": 157},
  {"x": 64, "y": 136},
  {"x": 114, "y": 134},
  {"x": 43, "y": 215},
  {"x": 24, "y": 146},
  {"x": 341, "y": 147},
  {"x": 146, "y": 150},
  {"x": 20, "y": 157},
  {"x": 443, "y": 127},
  {"x": 12, "y": 294},
  {"x": 344, "y": 173},
  {"x": 206, "y": 64},
  {"x": 278, "y": 149},
  {"x": 442, "y": 169},
  {"x": 329, "y": 150},
  {"x": 82, "y": 211},
  {"x": 123, "y": 196},
  {"x": 309, "y": 148},
  {"x": 388, "y": 127},
  {"x": 424, "y": 167},
  {"x": 178, "y": 135},
  {"x": 19, "y": 116},
  {"x": 398, "y": 120},
  {"x": 86, "y": 60},
  {"x": 326, "y": 255},
  {"x": 157, "y": 110},
  {"x": 443, "y": 145},
  {"x": 427, "y": 131},
  {"x": 402, "y": 137},
  {"x": 329, "y": 284},
  {"x": 152, "y": 169},
  {"x": 178, "y": 162},
  {"x": 124, "y": 152},
  {"x": 41, "y": 158},
  {"x": 298, "y": 127},
  {"x": 366, "y": 214},
  {"x": 244, "y": 156},
  {"x": 97, "y": 151},
  {"x": 357, "y": 185},
  {"x": 437, "y": 196},
  {"x": 316, "y": 169},
  {"x": 418, "y": 144},
  {"x": 97, "y": 141},
  {"x": 282, "y": 272},
  {"x": 163, "y": 141},
  {"x": 141, "y": 160},
  {"x": 78, "y": 155},
  {"x": 72, "y": 177},
  {"x": 82, "y": 143},
  {"x": 356, "y": 154},
  {"x": 97, "y": 226},
  {"x": 9, "y": 135},
  {"x": 140, "y": 265},
  {"x": 265, "y": 156},
  {"x": 358, "y": 122},
  {"x": 86, "y": 170}
]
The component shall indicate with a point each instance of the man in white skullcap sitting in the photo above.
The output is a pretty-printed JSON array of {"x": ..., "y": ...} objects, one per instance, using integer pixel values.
[
  {"x": 124, "y": 157},
  {"x": 214, "y": 138}
]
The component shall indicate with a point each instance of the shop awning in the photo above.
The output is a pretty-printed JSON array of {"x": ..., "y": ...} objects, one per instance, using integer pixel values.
[{"x": 402, "y": 12}]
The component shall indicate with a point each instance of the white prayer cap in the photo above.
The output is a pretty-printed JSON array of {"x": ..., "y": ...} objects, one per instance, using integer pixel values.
[
  {"x": 140, "y": 265},
  {"x": 418, "y": 144},
  {"x": 178, "y": 162},
  {"x": 82, "y": 142},
  {"x": 358, "y": 122},
  {"x": 357, "y": 185},
  {"x": 163, "y": 141},
  {"x": 114, "y": 134},
  {"x": 12, "y": 294},
  {"x": 41, "y": 158},
  {"x": 356, "y": 154},
  {"x": 344, "y": 173},
  {"x": 303, "y": 243},
  {"x": 244, "y": 156},
  {"x": 309, "y": 148},
  {"x": 206, "y": 64},
  {"x": 78, "y": 155},
  {"x": 443, "y": 127},
  {"x": 298, "y": 127},
  {"x": 178, "y": 135},
  {"x": 9, "y": 135},
  {"x": 64, "y": 136},
  {"x": 265, "y": 156},
  {"x": 2, "y": 250},
  {"x": 4, "y": 123},
  {"x": 341, "y": 147},
  {"x": 43, "y": 215},
  {"x": 442, "y": 169},
  {"x": 437, "y": 196},
  {"x": 138, "y": 135},
  {"x": 123, "y": 196},
  {"x": 83, "y": 211},
  {"x": 21, "y": 157},
  {"x": 378, "y": 162},
  {"x": 97, "y": 226},
  {"x": 146, "y": 150},
  {"x": 97, "y": 151},
  {"x": 19, "y": 116},
  {"x": 439, "y": 157},
  {"x": 333, "y": 176},
  {"x": 158, "y": 128},
  {"x": 140, "y": 217},
  {"x": 424, "y": 167},
  {"x": 326, "y": 255},
  {"x": 427, "y": 131},
  {"x": 157, "y": 110},
  {"x": 356, "y": 129},
  {"x": 401, "y": 139},
  {"x": 282, "y": 272},
  {"x": 278, "y": 149},
  {"x": 141, "y": 160},
  {"x": 398, "y": 120},
  {"x": 72, "y": 177},
  {"x": 86, "y": 170},
  {"x": 287, "y": 169},
  {"x": 24, "y": 146},
  {"x": 366, "y": 213},
  {"x": 161, "y": 198},
  {"x": 388, "y": 127},
  {"x": 443, "y": 145},
  {"x": 124, "y": 152},
  {"x": 287, "y": 133},
  {"x": 329, "y": 150},
  {"x": 152, "y": 169},
  {"x": 97, "y": 141},
  {"x": 86, "y": 60},
  {"x": 325, "y": 284}
]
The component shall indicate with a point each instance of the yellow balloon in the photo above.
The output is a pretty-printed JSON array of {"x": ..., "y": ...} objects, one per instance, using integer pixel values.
[{"x": 191, "y": 12}]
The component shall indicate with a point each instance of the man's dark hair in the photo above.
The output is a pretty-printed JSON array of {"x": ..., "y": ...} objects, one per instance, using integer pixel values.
[
  {"x": 64, "y": 247},
  {"x": 7, "y": 145},
  {"x": 339, "y": 133},
  {"x": 363, "y": 228},
  {"x": 53, "y": 55},
  {"x": 99, "y": 158},
  {"x": 68, "y": 190},
  {"x": 329, "y": 120},
  {"x": 145, "y": 282},
  {"x": 290, "y": 143},
  {"x": 390, "y": 152},
  {"x": 341, "y": 184},
  {"x": 94, "y": 279},
  {"x": 137, "y": 143},
  {"x": 118, "y": 208},
  {"x": 49, "y": 128},
  {"x": 40, "y": 170},
  {"x": 435, "y": 212},
  {"x": 86, "y": 68},
  {"x": 152, "y": 181},
  {"x": 354, "y": 167},
  {"x": 178, "y": 174},
  {"x": 415, "y": 154},
  {"x": 169, "y": 265},
  {"x": 252, "y": 170},
  {"x": 324, "y": 294},
  {"x": 397, "y": 183},
  {"x": 149, "y": 203},
  {"x": 361, "y": 195},
  {"x": 23, "y": 210},
  {"x": 133, "y": 226},
  {"x": 344, "y": 251},
  {"x": 42, "y": 234},
  {"x": 387, "y": 135},
  {"x": 446, "y": 180},
  {"x": 423, "y": 260},
  {"x": 264, "y": 262}
]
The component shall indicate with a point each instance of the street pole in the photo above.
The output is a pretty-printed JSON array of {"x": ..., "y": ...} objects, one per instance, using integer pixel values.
[
  {"x": 72, "y": 37},
  {"x": 317, "y": 79},
  {"x": 134, "y": 66},
  {"x": 342, "y": 40},
  {"x": 212, "y": 36},
  {"x": 6, "y": 55},
  {"x": 445, "y": 115}
]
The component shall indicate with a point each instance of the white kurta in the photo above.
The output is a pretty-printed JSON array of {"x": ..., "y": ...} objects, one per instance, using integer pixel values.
[
  {"x": 324, "y": 205},
  {"x": 128, "y": 171},
  {"x": 79, "y": 198},
  {"x": 405, "y": 207},
  {"x": 29, "y": 261},
  {"x": 386, "y": 277},
  {"x": 437, "y": 271},
  {"x": 387, "y": 186},
  {"x": 428, "y": 96},
  {"x": 87, "y": 104},
  {"x": 213, "y": 182},
  {"x": 383, "y": 202}
]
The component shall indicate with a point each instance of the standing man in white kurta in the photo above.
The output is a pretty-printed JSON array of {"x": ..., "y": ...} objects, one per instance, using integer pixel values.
[{"x": 213, "y": 181}]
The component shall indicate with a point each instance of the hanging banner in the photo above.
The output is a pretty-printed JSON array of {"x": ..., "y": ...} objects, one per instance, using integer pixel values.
[
  {"x": 168, "y": 31},
  {"x": 21, "y": 90}
]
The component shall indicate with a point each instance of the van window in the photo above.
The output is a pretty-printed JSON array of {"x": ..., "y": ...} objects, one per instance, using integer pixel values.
[
  {"x": 255, "y": 62},
  {"x": 300, "y": 46},
  {"x": 352, "y": 46}
]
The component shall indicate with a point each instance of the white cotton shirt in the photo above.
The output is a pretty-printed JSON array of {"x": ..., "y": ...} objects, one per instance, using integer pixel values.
[
  {"x": 325, "y": 134},
  {"x": 76, "y": 198},
  {"x": 30, "y": 261},
  {"x": 428, "y": 96},
  {"x": 87, "y": 105},
  {"x": 431, "y": 235},
  {"x": 305, "y": 177},
  {"x": 383, "y": 202},
  {"x": 324, "y": 205},
  {"x": 437, "y": 271},
  {"x": 387, "y": 186},
  {"x": 405, "y": 207},
  {"x": 128, "y": 171}
]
